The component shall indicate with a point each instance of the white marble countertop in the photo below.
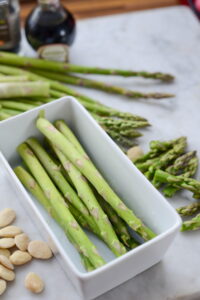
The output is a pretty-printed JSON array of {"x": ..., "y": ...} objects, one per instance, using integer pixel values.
[{"x": 165, "y": 40}]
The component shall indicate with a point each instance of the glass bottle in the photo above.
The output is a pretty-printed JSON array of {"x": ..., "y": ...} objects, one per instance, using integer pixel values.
[
  {"x": 50, "y": 30},
  {"x": 10, "y": 35}
]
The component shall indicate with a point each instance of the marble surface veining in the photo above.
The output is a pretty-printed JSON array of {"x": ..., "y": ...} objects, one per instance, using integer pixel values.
[{"x": 165, "y": 40}]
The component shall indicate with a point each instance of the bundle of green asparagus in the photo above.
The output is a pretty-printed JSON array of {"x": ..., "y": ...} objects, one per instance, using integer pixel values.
[
  {"x": 167, "y": 163},
  {"x": 119, "y": 125},
  {"x": 65, "y": 181}
]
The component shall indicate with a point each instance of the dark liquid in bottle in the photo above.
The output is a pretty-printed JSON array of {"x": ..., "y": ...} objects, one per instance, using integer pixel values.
[
  {"x": 50, "y": 26},
  {"x": 10, "y": 35}
]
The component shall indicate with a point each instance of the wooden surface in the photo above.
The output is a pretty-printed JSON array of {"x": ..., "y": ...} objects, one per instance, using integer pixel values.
[{"x": 91, "y": 8}]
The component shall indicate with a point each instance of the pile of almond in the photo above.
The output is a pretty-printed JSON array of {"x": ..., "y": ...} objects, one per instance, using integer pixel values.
[{"x": 16, "y": 249}]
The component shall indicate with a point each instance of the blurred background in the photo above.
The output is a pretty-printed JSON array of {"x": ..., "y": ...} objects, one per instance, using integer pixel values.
[{"x": 91, "y": 8}]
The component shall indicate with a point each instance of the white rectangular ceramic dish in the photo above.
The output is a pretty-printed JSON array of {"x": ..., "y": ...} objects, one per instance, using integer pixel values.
[{"x": 135, "y": 190}]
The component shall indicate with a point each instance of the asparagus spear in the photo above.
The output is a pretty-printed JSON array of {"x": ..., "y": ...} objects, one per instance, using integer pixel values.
[
  {"x": 168, "y": 157},
  {"x": 56, "y": 94},
  {"x": 181, "y": 163},
  {"x": 189, "y": 210},
  {"x": 27, "y": 89},
  {"x": 118, "y": 223},
  {"x": 157, "y": 148},
  {"x": 86, "y": 194},
  {"x": 13, "y": 59},
  {"x": 66, "y": 131},
  {"x": 61, "y": 89},
  {"x": 59, "y": 205},
  {"x": 103, "y": 110},
  {"x": 185, "y": 165},
  {"x": 4, "y": 115},
  {"x": 180, "y": 181},
  {"x": 55, "y": 174},
  {"x": 92, "y": 174},
  {"x": 122, "y": 141},
  {"x": 192, "y": 224},
  {"x": 11, "y": 112},
  {"x": 32, "y": 186},
  {"x": 13, "y": 78},
  {"x": 123, "y": 136},
  {"x": 119, "y": 124},
  {"x": 16, "y": 105},
  {"x": 144, "y": 166},
  {"x": 87, "y": 264},
  {"x": 31, "y": 102},
  {"x": 102, "y": 86}
]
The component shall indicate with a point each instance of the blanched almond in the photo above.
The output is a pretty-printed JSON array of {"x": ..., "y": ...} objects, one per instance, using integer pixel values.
[
  {"x": 10, "y": 231},
  {"x": 134, "y": 153},
  {"x": 22, "y": 240},
  {"x": 7, "y": 243},
  {"x": 34, "y": 283},
  {"x": 6, "y": 262},
  {"x": 5, "y": 252},
  {"x": 20, "y": 258},
  {"x": 6, "y": 274},
  {"x": 3, "y": 285},
  {"x": 7, "y": 216},
  {"x": 39, "y": 249}
]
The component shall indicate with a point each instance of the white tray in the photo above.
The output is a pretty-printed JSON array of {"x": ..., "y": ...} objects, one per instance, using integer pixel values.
[{"x": 125, "y": 179}]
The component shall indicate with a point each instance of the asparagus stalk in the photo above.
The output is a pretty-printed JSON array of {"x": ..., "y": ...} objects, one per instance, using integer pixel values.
[
  {"x": 16, "y": 105},
  {"x": 102, "y": 110},
  {"x": 65, "y": 130},
  {"x": 87, "y": 264},
  {"x": 31, "y": 102},
  {"x": 60, "y": 90},
  {"x": 181, "y": 163},
  {"x": 55, "y": 174},
  {"x": 118, "y": 223},
  {"x": 120, "y": 124},
  {"x": 86, "y": 194},
  {"x": 11, "y": 112},
  {"x": 157, "y": 148},
  {"x": 61, "y": 126},
  {"x": 4, "y": 115},
  {"x": 59, "y": 205},
  {"x": 77, "y": 81},
  {"x": 4, "y": 78},
  {"x": 27, "y": 89},
  {"x": 192, "y": 224},
  {"x": 92, "y": 174},
  {"x": 123, "y": 141},
  {"x": 32, "y": 186},
  {"x": 187, "y": 164},
  {"x": 13, "y": 59},
  {"x": 56, "y": 94},
  {"x": 120, "y": 135},
  {"x": 144, "y": 166},
  {"x": 189, "y": 210},
  {"x": 168, "y": 157},
  {"x": 98, "y": 108},
  {"x": 180, "y": 181}
]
